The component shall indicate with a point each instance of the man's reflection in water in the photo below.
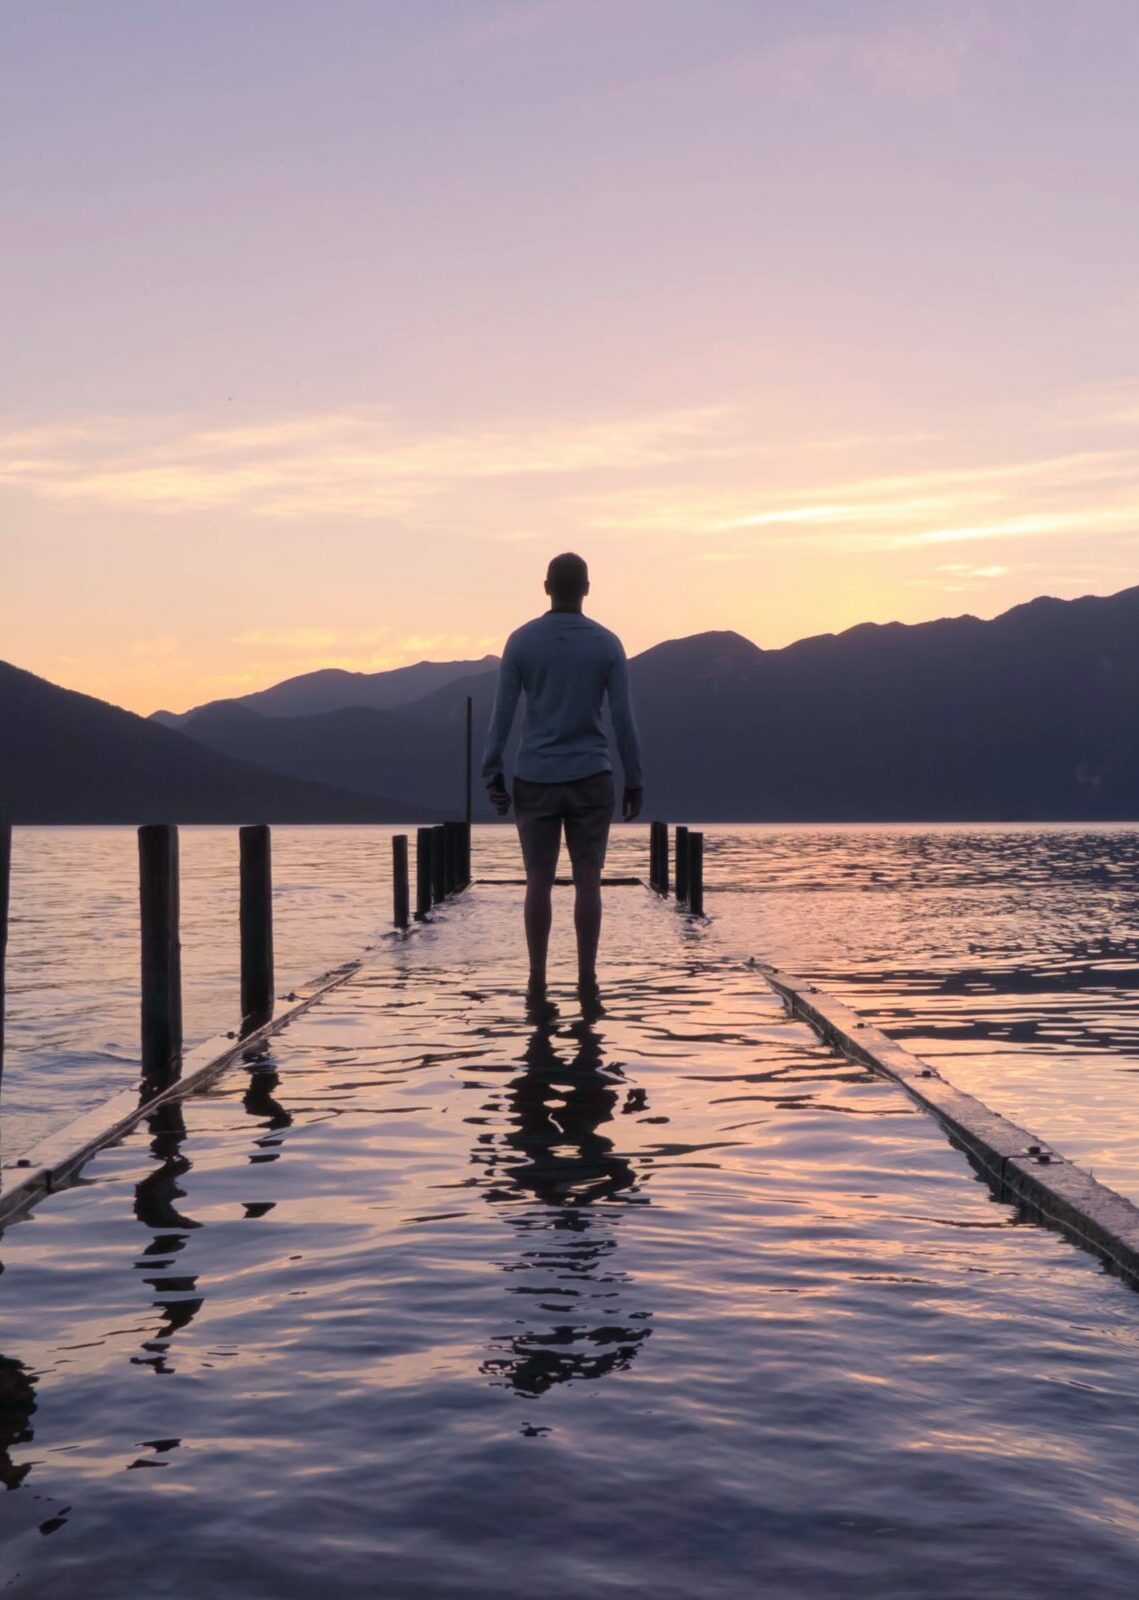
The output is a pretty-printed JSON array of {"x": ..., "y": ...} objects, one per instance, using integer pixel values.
[{"x": 554, "y": 1153}]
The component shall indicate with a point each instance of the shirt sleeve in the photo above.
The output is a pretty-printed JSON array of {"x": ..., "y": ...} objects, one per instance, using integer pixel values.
[
  {"x": 502, "y": 714},
  {"x": 624, "y": 723}
]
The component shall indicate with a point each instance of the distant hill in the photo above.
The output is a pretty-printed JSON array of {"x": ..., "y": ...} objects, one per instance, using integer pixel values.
[
  {"x": 66, "y": 757},
  {"x": 332, "y": 689},
  {"x": 1032, "y": 716}
]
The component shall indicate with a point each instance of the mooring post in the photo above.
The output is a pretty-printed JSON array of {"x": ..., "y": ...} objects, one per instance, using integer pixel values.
[
  {"x": 681, "y": 864},
  {"x": 467, "y": 854},
  {"x": 696, "y": 874},
  {"x": 654, "y": 854},
  {"x": 470, "y": 710},
  {"x": 161, "y": 953},
  {"x": 662, "y": 884},
  {"x": 422, "y": 872},
  {"x": 438, "y": 863},
  {"x": 256, "y": 926},
  {"x": 401, "y": 894},
  {"x": 5, "y": 877},
  {"x": 451, "y": 855}
]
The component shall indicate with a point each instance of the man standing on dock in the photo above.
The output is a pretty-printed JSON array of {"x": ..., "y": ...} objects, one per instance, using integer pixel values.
[{"x": 565, "y": 664}]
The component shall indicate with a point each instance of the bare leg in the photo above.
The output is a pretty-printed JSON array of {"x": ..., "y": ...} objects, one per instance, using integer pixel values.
[
  {"x": 587, "y": 923},
  {"x": 538, "y": 916}
]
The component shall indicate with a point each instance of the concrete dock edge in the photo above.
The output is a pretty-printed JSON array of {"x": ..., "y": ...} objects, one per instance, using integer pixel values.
[
  {"x": 1020, "y": 1167},
  {"x": 55, "y": 1161}
]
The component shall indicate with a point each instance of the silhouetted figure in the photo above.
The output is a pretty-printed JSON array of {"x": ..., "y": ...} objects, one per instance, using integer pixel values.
[
  {"x": 566, "y": 665},
  {"x": 554, "y": 1153}
]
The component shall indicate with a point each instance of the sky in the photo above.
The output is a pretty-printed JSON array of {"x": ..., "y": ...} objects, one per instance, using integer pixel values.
[{"x": 325, "y": 323}]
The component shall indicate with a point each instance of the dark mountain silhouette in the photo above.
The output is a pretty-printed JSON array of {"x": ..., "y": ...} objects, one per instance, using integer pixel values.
[
  {"x": 333, "y": 689},
  {"x": 406, "y": 754},
  {"x": 1032, "y": 716},
  {"x": 65, "y": 757}
]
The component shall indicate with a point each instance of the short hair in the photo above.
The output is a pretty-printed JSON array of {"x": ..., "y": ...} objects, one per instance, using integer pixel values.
[{"x": 567, "y": 575}]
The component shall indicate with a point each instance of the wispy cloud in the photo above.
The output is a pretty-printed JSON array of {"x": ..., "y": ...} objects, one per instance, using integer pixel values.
[
  {"x": 903, "y": 51},
  {"x": 303, "y": 639},
  {"x": 1085, "y": 491},
  {"x": 1102, "y": 406},
  {"x": 355, "y": 464}
]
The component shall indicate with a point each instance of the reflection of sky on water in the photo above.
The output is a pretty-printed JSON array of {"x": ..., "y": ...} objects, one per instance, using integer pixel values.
[
  {"x": 276, "y": 1337},
  {"x": 1009, "y": 952}
]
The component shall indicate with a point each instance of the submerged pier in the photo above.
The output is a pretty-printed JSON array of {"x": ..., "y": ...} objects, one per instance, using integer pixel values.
[{"x": 402, "y": 1293}]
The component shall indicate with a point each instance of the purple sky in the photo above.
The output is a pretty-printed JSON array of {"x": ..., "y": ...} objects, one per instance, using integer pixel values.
[{"x": 324, "y": 325}]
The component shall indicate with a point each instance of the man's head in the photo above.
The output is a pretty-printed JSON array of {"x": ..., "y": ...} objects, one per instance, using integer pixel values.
[{"x": 567, "y": 580}]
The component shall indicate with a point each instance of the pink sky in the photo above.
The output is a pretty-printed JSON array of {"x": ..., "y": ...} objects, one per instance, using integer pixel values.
[{"x": 324, "y": 326}]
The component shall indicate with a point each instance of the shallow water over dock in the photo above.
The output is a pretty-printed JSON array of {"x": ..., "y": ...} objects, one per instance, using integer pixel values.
[
  {"x": 1008, "y": 955},
  {"x": 427, "y": 1302}
]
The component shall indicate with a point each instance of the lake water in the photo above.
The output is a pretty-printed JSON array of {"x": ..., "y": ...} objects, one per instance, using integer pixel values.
[
  {"x": 423, "y": 1301},
  {"x": 1008, "y": 955}
]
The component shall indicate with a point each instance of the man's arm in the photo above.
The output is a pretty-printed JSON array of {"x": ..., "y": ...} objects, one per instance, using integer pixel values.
[
  {"x": 498, "y": 729},
  {"x": 625, "y": 728}
]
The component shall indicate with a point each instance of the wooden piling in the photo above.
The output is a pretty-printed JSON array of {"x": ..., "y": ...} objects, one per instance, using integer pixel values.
[
  {"x": 681, "y": 864},
  {"x": 438, "y": 864},
  {"x": 662, "y": 860},
  {"x": 161, "y": 953},
  {"x": 451, "y": 855},
  {"x": 422, "y": 872},
  {"x": 401, "y": 897},
  {"x": 256, "y": 926},
  {"x": 5, "y": 877},
  {"x": 460, "y": 855},
  {"x": 696, "y": 874}
]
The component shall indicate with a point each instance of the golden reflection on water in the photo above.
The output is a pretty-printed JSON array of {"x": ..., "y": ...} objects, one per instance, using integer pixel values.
[{"x": 810, "y": 1338}]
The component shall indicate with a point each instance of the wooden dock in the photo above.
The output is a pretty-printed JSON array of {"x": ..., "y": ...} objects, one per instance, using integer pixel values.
[
  {"x": 363, "y": 1263},
  {"x": 1020, "y": 1166}
]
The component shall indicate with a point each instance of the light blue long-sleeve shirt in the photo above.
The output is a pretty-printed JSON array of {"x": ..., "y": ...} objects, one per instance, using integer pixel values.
[{"x": 565, "y": 664}]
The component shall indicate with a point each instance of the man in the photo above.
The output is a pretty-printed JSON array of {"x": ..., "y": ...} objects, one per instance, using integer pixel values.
[{"x": 565, "y": 664}]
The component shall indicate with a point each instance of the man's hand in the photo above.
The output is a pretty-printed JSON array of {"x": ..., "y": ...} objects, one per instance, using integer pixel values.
[
  {"x": 631, "y": 804},
  {"x": 499, "y": 795}
]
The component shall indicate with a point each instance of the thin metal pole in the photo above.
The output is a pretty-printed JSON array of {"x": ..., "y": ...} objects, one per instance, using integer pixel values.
[
  {"x": 5, "y": 879},
  {"x": 401, "y": 909},
  {"x": 256, "y": 925},
  {"x": 161, "y": 953},
  {"x": 470, "y": 711}
]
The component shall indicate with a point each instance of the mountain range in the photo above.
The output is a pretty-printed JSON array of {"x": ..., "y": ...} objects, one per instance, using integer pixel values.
[
  {"x": 66, "y": 757},
  {"x": 332, "y": 688},
  {"x": 1032, "y": 716}
]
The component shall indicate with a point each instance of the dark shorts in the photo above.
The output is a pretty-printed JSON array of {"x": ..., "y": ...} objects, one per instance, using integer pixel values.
[{"x": 586, "y": 809}]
